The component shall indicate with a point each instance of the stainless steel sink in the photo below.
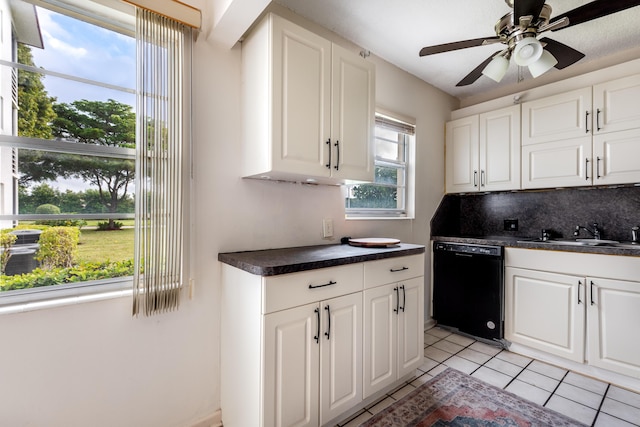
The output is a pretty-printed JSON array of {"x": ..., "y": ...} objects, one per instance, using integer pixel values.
[
  {"x": 586, "y": 242},
  {"x": 597, "y": 242}
]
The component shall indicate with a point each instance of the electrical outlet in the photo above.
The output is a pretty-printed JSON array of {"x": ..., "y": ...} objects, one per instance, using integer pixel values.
[
  {"x": 511, "y": 225},
  {"x": 327, "y": 227}
]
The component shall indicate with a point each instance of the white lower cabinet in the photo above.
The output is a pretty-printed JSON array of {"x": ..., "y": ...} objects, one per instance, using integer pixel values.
[
  {"x": 293, "y": 361},
  {"x": 393, "y": 333},
  {"x": 293, "y": 349},
  {"x": 583, "y": 307},
  {"x": 340, "y": 355},
  {"x": 313, "y": 356},
  {"x": 545, "y": 311},
  {"x": 613, "y": 315}
]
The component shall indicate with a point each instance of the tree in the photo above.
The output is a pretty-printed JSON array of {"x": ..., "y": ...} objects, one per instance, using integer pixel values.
[
  {"x": 35, "y": 112},
  {"x": 107, "y": 123},
  {"x": 377, "y": 196}
]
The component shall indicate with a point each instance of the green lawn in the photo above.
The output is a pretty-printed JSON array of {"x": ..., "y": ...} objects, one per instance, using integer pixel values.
[{"x": 97, "y": 246}]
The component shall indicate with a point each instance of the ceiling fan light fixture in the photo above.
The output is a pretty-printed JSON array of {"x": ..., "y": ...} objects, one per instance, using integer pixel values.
[
  {"x": 542, "y": 65},
  {"x": 497, "y": 68},
  {"x": 527, "y": 51}
]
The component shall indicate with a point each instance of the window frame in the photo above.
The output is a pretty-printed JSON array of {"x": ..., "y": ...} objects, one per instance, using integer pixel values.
[
  {"x": 406, "y": 127},
  {"x": 31, "y": 298}
]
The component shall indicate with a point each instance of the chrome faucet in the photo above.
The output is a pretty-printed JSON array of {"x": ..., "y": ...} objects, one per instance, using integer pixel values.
[
  {"x": 595, "y": 233},
  {"x": 634, "y": 234}
]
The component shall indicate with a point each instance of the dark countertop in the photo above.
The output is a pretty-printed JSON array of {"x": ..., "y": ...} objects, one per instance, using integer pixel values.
[
  {"x": 271, "y": 262},
  {"x": 529, "y": 243}
]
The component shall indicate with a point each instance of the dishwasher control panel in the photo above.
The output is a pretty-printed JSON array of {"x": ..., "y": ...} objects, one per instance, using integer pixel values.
[{"x": 467, "y": 248}]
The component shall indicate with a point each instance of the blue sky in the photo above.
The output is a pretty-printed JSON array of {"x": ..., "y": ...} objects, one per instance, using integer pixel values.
[
  {"x": 84, "y": 50},
  {"x": 88, "y": 51}
]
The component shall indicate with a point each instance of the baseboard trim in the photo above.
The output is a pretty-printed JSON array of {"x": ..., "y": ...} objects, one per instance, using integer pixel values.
[
  {"x": 429, "y": 324},
  {"x": 214, "y": 420}
]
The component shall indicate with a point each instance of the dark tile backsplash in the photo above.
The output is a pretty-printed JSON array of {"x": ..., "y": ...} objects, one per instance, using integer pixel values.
[{"x": 615, "y": 210}]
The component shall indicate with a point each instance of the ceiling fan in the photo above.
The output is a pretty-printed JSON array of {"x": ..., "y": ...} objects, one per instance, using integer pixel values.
[{"x": 519, "y": 29}]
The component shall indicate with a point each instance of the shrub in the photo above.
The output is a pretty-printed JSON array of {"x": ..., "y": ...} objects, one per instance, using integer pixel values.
[
  {"x": 83, "y": 272},
  {"x": 31, "y": 227},
  {"x": 47, "y": 209},
  {"x": 6, "y": 241},
  {"x": 105, "y": 226},
  {"x": 64, "y": 222},
  {"x": 58, "y": 246}
]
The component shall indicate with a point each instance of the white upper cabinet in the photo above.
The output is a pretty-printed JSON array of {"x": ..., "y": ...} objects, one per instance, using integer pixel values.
[
  {"x": 483, "y": 152},
  {"x": 616, "y": 105},
  {"x": 308, "y": 107},
  {"x": 557, "y": 117},
  {"x": 462, "y": 155},
  {"x": 500, "y": 149},
  {"x": 585, "y": 137}
]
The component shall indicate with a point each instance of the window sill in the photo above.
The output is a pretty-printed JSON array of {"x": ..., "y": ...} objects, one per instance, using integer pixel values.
[
  {"x": 43, "y": 298},
  {"x": 376, "y": 218}
]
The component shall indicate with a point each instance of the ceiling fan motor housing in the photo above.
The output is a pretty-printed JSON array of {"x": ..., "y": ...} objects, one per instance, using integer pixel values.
[{"x": 511, "y": 32}]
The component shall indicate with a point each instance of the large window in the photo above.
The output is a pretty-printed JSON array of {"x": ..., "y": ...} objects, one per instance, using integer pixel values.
[
  {"x": 67, "y": 164},
  {"x": 388, "y": 195}
]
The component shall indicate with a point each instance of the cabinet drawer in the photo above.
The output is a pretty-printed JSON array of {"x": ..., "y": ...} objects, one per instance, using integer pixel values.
[
  {"x": 392, "y": 270},
  {"x": 291, "y": 290}
]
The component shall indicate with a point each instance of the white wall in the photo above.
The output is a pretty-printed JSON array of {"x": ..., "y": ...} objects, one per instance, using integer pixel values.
[{"x": 92, "y": 364}]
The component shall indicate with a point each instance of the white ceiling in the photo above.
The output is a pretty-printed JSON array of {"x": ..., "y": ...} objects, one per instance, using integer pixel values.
[{"x": 396, "y": 31}]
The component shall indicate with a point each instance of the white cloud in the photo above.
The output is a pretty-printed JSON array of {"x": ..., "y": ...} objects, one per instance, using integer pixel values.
[{"x": 63, "y": 48}]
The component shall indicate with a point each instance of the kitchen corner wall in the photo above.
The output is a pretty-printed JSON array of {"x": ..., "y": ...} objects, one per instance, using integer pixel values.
[{"x": 615, "y": 210}]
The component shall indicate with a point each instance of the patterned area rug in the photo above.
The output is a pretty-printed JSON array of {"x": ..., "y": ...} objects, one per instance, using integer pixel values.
[{"x": 454, "y": 399}]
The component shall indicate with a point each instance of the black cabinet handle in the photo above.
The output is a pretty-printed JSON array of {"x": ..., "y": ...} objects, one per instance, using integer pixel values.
[
  {"x": 395, "y": 270},
  {"x": 586, "y": 122},
  {"x": 397, "y": 309},
  {"x": 591, "y": 292},
  {"x": 586, "y": 169},
  {"x": 331, "y": 282},
  {"x": 317, "y": 337},
  {"x": 475, "y": 178},
  {"x": 337, "y": 145},
  {"x": 598, "y": 167},
  {"x": 404, "y": 298},
  {"x": 328, "y": 333},
  {"x": 579, "y": 286},
  {"x": 328, "y": 165},
  {"x": 598, "y": 119}
]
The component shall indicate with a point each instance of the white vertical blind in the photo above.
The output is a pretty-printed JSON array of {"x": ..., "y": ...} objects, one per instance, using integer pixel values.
[{"x": 159, "y": 257}]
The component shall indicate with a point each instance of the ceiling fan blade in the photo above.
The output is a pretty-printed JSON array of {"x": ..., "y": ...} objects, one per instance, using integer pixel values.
[
  {"x": 527, "y": 7},
  {"x": 595, "y": 9},
  {"x": 477, "y": 72},
  {"x": 564, "y": 54},
  {"x": 447, "y": 47}
]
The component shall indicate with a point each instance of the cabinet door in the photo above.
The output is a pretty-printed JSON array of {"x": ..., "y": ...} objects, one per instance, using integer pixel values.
[
  {"x": 616, "y": 157},
  {"x": 301, "y": 100},
  {"x": 340, "y": 355},
  {"x": 291, "y": 367},
  {"x": 380, "y": 326},
  {"x": 411, "y": 326},
  {"x": 616, "y": 105},
  {"x": 353, "y": 116},
  {"x": 545, "y": 311},
  {"x": 613, "y": 318},
  {"x": 462, "y": 155},
  {"x": 500, "y": 149},
  {"x": 557, "y": 164},
  {"x": 557, "y": 117}
]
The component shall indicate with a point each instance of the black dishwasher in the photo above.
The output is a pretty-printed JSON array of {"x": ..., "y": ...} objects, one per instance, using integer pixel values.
[{"x": 468, "y": 289}]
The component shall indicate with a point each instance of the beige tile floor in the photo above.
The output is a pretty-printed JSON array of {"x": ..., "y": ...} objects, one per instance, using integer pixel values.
[{"x": 584, "y": 399}]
